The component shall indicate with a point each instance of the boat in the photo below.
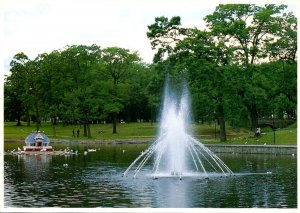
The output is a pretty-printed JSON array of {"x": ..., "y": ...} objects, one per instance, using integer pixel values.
[{"x": 37, "y": 141}]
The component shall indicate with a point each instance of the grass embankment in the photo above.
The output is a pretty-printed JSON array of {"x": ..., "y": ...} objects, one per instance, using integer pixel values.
[{"x": 146, "y": 131}]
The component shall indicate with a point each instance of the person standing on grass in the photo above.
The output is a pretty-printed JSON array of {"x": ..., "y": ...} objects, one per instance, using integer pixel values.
[
  {"x": 78, "y": 132},
  {"x": 73, "y": 133},
  {"x": 258, "y": 132}
]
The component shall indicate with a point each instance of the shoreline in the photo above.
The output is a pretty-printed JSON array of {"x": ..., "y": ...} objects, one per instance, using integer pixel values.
[
  {"x": 217, "y": 148},
  {"x": 254, "y": 149},
  {"x": 112, "y": 141}
]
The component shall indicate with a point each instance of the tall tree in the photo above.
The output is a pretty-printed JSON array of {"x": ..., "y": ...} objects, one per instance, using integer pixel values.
[
  {"x": 49, "y": 81},
  {"x": 206, "y": 62},
  {"x": 247, "y": 29},
  {"x": 36, "y": 95},
  {"x": 137, "y": 106},
  {"x": 284, "y": 45},
  {"x": 19, "y": 93},
  {"x": 118, "y": 63},
  {"x": 164, "y": 34},
  {"x": 80, "y": 99},
  {"x": 190, "y": 49}
]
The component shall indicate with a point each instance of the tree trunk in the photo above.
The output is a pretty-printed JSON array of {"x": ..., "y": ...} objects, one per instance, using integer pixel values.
[
  {"x": 19, "y": 120},
  {"x": 221, "y": 118},
  {"x": 18, "y": 114},
  {"x": 88, "y": 130},
  {"x": 84, "y": 130},
  {"x": 37, "y": 118},
  {"x": 53, "y": 127},
  {"x": 28, "y": 117},
  {"x": 114, "y": 122},
  {"x": 151, "y": 115},
  {"x": 254, "y": 117},
  {"x": 202, "y": 120}
]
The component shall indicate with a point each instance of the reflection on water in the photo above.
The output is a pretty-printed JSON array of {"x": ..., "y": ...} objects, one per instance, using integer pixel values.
[{"x": 95, "y": 180}]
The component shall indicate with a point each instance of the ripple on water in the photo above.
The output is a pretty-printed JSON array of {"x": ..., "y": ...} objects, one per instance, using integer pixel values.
[{"x": 98, "y": 184}]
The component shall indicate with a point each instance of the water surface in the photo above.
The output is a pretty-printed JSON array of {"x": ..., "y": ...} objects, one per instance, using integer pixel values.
[{"x": 95, "y": 180}]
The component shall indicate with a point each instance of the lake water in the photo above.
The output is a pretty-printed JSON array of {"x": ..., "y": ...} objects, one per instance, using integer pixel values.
[{"x": 95, "y": 180}]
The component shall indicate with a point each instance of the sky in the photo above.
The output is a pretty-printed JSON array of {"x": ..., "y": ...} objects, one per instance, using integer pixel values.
[{"x": 41, "y": 26}]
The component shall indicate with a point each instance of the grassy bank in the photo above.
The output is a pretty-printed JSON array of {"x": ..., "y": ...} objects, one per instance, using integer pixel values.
[
  {"x": 126, "y": 131},
  {"x": 147, "y": 131}
]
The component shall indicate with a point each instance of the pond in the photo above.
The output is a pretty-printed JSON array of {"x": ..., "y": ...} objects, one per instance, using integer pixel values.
[{"x": 95, "y": 180}]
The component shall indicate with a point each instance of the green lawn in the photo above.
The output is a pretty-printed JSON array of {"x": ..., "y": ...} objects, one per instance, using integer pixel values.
[
  {"x": 98, "y": 131},
  {"x": 285, "y": 136},
  {"x": 145, "y": 131}
]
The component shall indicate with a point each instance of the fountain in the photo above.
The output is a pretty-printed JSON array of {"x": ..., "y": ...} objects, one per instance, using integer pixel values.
[{"x": 175, "y": 152}]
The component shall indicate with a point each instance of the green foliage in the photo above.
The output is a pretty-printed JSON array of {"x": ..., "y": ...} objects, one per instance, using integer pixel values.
[
  {"x": 285, "y": 46},
  {"x": 78, "y": 84},
  {"x": 223, "y": 65},
  {"x": 246, "y": 27},
  {"x": 162, "y": 34}
]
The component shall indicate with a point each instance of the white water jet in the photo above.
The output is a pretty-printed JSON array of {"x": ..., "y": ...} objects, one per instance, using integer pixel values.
[{"x": 176, "y": 152}]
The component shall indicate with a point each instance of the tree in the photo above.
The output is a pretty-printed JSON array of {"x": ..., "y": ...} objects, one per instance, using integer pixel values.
[
  {"x": 117, "y": 64},
  {"x": 283, "y": 51},
  {"x": 11, "y": 103},
  {"x": 35, "y": 95},
  {"x": 49, "y": 82},
  {"x": 280, "y": 84},
  {"x": 164, "y": 34},
  {"x": 246, "y": 29},
  {"x": 284, "y": 46},
  {"x": 154, "y": 89},
  {"x": 194, "y": 49},
  {"x": 207, "y": 63},
  {"x": 18, "y": 92},
  {"x": 80, "y": 99},
  {"x": 137, "y": 104}
]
